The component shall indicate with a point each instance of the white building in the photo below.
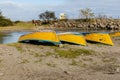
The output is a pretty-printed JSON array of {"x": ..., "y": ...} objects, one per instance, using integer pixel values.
[{"x": 63, "y": 16}]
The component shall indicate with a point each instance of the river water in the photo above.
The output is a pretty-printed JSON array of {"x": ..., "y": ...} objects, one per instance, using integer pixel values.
[{"x": 10, "y": 37}]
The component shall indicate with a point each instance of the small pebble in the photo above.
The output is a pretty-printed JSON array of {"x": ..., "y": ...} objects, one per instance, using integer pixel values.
[
  {"x": 1, "y": 74},
  {"x": 117, "y": 70}
]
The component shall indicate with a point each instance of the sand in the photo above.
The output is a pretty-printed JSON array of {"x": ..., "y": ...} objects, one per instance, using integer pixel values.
[{"x": 21, "y": 61}]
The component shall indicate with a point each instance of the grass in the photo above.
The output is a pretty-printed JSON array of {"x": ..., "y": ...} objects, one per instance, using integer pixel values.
[
  {"x": 49, "y": 53},
  {"x": 107, "y": 60},
  {"x": 38, "y": 61},
  {"x": 106, "y": 68},
  {"x": 18, "y": 46},
  {"x": 74, "y": 62},
  {"x": 87, "y": 59},
  {"x": 51, "y": 64},
  {"x": 1, "y": 60},
  {"x": 24, "y": 24},
  {"x": 73, "y": 53},
  {"x": 37, "y": 55},
  {"x": 1, "y": 65},
  {"x": 84, "y": 51},
  {"x": 24, "y": 61},
  {"x": 67, "y": 54},
  {"x": 19, "y": 26}
]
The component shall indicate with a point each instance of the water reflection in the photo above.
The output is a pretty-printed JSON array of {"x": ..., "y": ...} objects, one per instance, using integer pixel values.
[{"x": 10, "y": 37}]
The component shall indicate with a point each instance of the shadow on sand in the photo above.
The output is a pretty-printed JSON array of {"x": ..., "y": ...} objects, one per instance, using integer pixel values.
[{"x": 35, "y": 42}]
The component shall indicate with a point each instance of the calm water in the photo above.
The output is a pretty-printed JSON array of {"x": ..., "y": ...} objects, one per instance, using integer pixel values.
[{"x": 10, "y": 37}]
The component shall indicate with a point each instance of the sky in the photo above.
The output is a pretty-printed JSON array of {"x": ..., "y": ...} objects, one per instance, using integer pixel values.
[{"x": 26, "y": 10}]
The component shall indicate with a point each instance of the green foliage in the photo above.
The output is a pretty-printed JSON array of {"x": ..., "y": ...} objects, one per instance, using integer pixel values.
[
  {"x": 4, "y": 21},
  {"x": 73, "y": 53},
  {"x": 47, "y": 16},
  {"x": 49, "y": 54},
  {"x": 23, "y": 24},
  {"x": 84, "y": 51},
  {"x": 17, "y": 21},
  {"x": 67, "y": 54}
]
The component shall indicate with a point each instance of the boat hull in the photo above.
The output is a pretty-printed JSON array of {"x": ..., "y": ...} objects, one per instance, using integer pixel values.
[
  {"x": 42, "y": 36},
  {"x": 99, "y": 37},
  {"x": 72, "y": 38},
  {"x": 115, "y": 34}
]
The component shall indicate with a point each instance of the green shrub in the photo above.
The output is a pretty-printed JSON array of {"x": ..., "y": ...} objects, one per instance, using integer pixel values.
[
  {"x": 73, "y": 53},
  {"x": 17, "y": 21},
  {"x": 5, "y": 22},
  {"x": 67, "y": 54}
]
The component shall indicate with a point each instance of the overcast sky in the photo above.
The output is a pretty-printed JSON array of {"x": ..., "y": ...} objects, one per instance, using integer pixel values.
[{"x": 30, "y": 9}]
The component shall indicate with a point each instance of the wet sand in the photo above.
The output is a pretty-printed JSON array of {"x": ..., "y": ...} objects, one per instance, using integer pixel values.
[{"x": 21, "y": 61}]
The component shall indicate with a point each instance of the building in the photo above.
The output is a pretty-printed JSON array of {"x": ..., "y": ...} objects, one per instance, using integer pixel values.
[{"x": 63, "y": 16}]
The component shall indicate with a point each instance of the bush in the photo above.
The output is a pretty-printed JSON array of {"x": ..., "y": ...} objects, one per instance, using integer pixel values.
[
  {"x": 17, "y": 21},
  {"x": 6, "y": 22},
  {"x": 45, "y": 22}
]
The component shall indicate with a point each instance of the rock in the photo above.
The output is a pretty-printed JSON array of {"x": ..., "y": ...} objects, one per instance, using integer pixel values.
[
  {"x": 117, "y": 70},
  {"x": 66, "y": 72},
  {"x": 99, "y": 24},
  {"x": 60, "y": 45},
  {"x": 1, "y": 74}
]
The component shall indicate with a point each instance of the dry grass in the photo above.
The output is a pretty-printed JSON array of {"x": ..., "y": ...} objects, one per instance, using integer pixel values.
[
  {"x": 18, "y": 26},
  {"x": 73, "y": 53}
]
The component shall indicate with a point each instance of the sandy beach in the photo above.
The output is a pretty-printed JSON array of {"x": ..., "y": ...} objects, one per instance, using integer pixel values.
[
  {"x": 21, "y": 61},
  {"x": 33, "y": 35}
]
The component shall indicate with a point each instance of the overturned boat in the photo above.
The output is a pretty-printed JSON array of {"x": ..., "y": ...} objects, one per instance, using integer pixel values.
[
  {"x": 99, "y": 38},
  {"x": 41, "y": 36},
  {"x": 72, "y": 37},
  {"x": 115, "y": 34}
]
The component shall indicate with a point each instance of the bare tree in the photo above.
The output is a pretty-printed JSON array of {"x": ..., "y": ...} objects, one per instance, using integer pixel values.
[
  {"x": 86, "y": 13},
  {"x": 102, "y": 16}
]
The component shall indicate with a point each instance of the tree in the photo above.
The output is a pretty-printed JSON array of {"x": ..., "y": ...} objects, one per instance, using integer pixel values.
[
  {"x": 1, "y": 16},
  {"x": 102, "y": 16},
  {"x": 4, "y": 21},
  {"x": 86, "y": 13},
  {"x": 0, "y": 13},
  {"x": 47, "y": 15}
]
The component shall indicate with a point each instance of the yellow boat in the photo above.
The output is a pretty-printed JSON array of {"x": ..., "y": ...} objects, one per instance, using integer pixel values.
[
  {"x": 70, "y": 37},
  {"x": 41, "y": 36},
  {"x": 99, "y": 37},
  {"x": 115, "y": 34}
]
